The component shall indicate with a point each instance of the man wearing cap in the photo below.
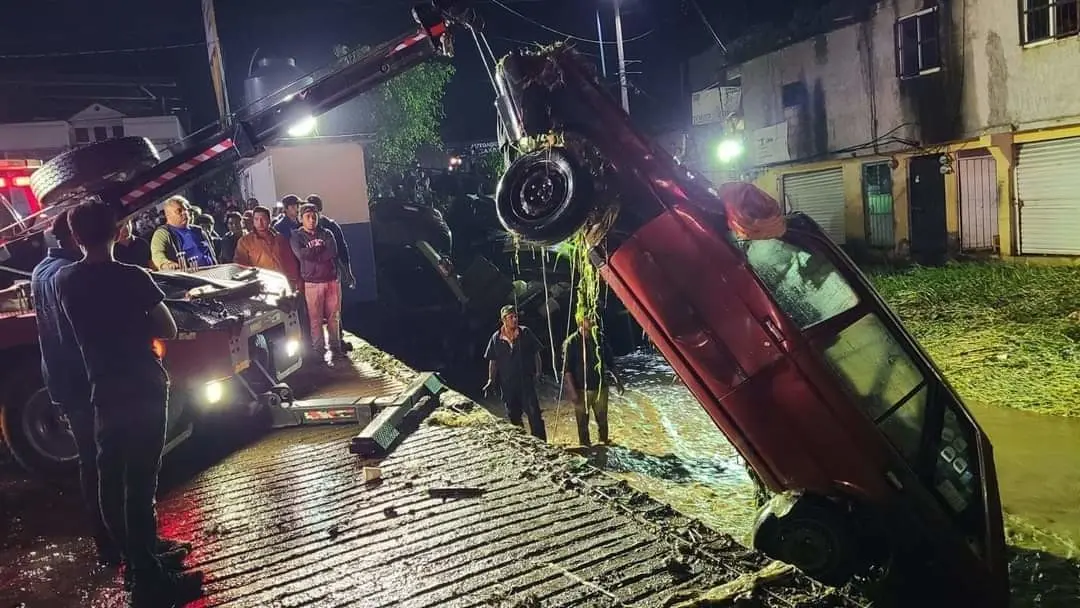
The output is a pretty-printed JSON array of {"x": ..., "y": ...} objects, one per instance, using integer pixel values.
[
  {"x": 317, "y": 251},
  {"x": 514, "y": 363},
  {"x": 289, "y": 220}
]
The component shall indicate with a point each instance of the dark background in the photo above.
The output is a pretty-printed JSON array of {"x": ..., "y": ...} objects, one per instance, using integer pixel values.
[{"x": 71, "y": 33}]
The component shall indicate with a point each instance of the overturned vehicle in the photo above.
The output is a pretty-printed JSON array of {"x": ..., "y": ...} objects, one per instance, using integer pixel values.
[{"x": 239, "y": 339}]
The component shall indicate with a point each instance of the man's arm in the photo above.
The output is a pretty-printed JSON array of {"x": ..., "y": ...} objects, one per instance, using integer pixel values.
[
  {"x": 300, "y": 248},
  {"x": 241, "y": 255},
  {"x": 329, "y": 249},
  {"x": 159, "y": 246},
  {"x": 342, "y": 246}
]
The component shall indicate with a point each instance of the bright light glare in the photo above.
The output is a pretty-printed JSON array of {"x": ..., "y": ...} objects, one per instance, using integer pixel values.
[
  {"x": 729, "y": 150},
  {"x": 303, "y": 127},
  {"x": 291, "y": 348},
  {"x": 214, "y": 392}
]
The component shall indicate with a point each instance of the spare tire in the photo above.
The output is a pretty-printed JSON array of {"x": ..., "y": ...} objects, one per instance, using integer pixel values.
[{"x": 90, "y": 168}]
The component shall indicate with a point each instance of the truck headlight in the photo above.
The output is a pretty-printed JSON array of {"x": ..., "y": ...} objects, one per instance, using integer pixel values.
[
  {"x": 213, "y": 392},
  {"x": 292, "y": 347}
]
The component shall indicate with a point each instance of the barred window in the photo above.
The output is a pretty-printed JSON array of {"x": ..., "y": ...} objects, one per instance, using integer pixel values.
[{"x": 1049, "y": 19}]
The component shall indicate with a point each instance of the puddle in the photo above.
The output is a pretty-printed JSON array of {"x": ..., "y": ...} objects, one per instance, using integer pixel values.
[{"x": 1037, "y": 461}]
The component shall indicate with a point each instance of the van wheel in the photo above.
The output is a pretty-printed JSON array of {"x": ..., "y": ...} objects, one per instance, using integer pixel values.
[
  {"x": 544, "y": 197},
  {"x": 90, "y": 168},
  {"x": 811, "y": 534},
  {"x": 35, "y": 430}
]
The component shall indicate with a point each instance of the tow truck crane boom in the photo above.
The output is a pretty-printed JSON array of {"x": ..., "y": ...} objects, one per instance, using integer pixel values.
[{"x": 253, "y": 127}]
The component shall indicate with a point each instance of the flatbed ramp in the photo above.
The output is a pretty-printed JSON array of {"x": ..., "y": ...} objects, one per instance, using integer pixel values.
[{"x": 291, "y": 522}]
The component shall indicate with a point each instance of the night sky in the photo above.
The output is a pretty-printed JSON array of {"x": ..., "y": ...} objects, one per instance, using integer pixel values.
[{"x": 668, "y": 32}]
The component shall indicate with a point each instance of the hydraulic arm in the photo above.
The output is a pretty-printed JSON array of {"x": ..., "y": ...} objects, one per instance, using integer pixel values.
[{"x": 249, "y": 130}]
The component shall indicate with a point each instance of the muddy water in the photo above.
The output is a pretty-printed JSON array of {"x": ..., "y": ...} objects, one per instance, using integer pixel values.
[
  {"x": 1038, "y": 462},
  {"x": 666, "y": 445}
]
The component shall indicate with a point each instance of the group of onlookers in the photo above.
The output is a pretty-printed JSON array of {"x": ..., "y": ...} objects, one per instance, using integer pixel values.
[{"x": 298, "y": 241}]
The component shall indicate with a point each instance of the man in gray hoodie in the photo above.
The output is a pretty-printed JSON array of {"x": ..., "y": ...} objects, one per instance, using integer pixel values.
[{"x": 316, "y": 250}]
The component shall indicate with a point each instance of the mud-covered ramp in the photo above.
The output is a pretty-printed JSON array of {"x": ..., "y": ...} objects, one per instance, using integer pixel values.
[{"x": 291, "y": 522}]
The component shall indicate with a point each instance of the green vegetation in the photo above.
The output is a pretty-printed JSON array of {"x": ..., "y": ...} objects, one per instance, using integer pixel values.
[{"x": 1004, "y": 334}]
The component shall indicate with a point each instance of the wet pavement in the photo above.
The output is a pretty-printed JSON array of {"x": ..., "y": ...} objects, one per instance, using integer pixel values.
[{"x": 289, "y": 521}]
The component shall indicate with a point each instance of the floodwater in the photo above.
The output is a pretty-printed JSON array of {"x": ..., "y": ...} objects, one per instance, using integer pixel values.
[{"x": 664, "y": 444}]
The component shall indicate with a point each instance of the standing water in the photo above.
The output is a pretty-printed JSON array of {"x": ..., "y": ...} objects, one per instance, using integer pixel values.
[{"x": 664, "y": 444}]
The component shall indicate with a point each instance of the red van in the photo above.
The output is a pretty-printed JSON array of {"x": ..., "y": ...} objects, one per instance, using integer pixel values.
[{"x": 875, "y": 463}]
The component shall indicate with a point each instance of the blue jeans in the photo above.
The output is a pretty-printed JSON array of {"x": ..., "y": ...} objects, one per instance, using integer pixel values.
[{"x": 81, "y": 420}]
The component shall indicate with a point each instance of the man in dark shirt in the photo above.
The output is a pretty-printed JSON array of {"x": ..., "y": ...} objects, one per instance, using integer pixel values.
[
  {"x": 289, "y": 220},
  {"x": 587, "y": 366},
  {"x": 65, "y": 377},
  {"x": 115, "y": 311},
  {"x": 131, "y": 249},
  {"x": 513, "y": 356},
  {"x": 235, "y": 223}
]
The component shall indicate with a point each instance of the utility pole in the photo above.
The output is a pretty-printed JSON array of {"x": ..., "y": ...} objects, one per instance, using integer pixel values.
[
  {"x": 622, "y": 58},
  {"x": 217, "y": 68}
]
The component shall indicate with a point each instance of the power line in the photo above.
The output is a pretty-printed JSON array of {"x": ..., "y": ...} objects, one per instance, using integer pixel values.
[
  {"x": 512, "y": 11},
  {"x": 144, "y": 49}
]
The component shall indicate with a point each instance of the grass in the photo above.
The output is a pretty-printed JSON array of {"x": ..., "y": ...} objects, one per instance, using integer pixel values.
[{"x": 1004, "y": 334}]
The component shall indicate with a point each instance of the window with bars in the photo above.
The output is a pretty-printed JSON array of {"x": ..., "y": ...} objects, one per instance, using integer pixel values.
[
  {"x": 1049, "y": 19},
  {"x": 918, "y": 44}
]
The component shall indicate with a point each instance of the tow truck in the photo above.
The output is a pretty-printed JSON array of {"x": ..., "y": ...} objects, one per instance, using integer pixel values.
[{"x": 879, "y": 470}]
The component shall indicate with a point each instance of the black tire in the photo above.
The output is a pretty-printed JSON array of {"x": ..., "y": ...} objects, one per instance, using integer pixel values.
[
  {"x": 813, "y": 535},
  {"x": 544, "y": 197},
  {"x": 90, "y": 168},
  {"x": 35, "y": 430}
]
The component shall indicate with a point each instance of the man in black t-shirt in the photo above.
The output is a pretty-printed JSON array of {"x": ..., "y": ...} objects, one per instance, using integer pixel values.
[
  {"x": 115, "y": 311},
  {"x": 513, "y": 355}
]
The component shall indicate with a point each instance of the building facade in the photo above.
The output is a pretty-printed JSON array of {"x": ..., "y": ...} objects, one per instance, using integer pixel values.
[
  {"x": 912, "y": 123},
  {"x": 42, "y": 140}
]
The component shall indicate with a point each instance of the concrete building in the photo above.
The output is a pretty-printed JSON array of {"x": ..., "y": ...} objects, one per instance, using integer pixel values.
[
  {"x": 918, "y": 123},
  {"x": 41, "y": 140}
]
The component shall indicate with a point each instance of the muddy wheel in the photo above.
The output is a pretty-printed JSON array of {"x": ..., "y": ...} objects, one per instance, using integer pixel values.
[
  {"x": 544, "y": 197},
  {"x": 810, "y": 534},
  {"x": 92, "y": 167},
  {"x": 35, "y": 430}
]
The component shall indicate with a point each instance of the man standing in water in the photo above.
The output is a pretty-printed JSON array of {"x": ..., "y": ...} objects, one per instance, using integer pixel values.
[
  {"x": 513, "y": 356},
  {"x": 587, "y": 367}
]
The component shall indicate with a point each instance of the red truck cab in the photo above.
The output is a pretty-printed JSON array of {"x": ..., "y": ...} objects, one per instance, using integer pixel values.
[{"x": 875, "y": 463}]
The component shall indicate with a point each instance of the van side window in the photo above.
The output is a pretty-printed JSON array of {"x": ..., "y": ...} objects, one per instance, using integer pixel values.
[
  {"x": 805, "y": 285},
  {"x": 888, "y": 384}
]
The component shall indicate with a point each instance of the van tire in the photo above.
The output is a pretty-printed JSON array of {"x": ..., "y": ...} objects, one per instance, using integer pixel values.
[
  {"x": 813, "y": 534},
  {"x": 544, "y": 197},
  {"x": 90, "y": 168}
]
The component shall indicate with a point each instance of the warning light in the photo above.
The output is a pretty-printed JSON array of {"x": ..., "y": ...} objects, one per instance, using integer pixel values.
[{"x": 21, "y": 181}]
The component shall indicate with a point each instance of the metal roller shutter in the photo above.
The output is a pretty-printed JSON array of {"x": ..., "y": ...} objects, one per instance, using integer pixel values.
[
  {"x": 1048, "y": 195},
  {"x": 819, "y": 195}
]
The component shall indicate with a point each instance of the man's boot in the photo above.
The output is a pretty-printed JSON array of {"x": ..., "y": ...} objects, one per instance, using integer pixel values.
[{"x": 161, "y": 588}]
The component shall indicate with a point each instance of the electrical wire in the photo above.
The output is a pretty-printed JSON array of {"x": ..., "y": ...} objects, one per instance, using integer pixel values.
[
  {"x": 538, "y": 24},
  {"x": 145, "y": 49}
]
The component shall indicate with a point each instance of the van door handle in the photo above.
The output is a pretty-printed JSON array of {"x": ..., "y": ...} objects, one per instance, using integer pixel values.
[{"x": 774, "y": 332}]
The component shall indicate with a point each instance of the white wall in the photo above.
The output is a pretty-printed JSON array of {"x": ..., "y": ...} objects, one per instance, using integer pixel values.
[
  {"x": 846, "y": 72},
  {"x": 34, "y": 136},
  {"x": 334, "y": 171},
  {"x": 155, "y": 128},
  {"x": 1006, "y": 84}
]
